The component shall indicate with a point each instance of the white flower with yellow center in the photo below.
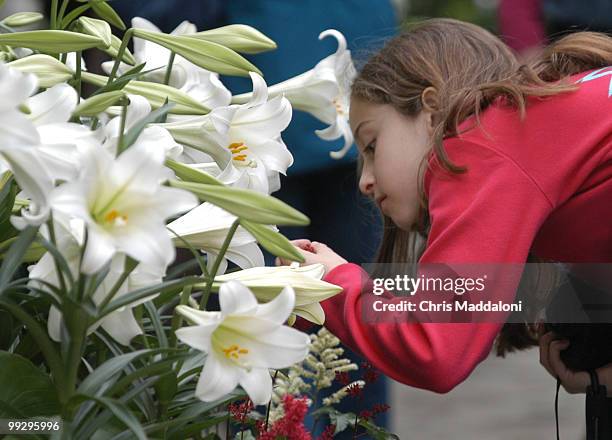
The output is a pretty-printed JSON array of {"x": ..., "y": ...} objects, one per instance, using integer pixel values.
[
  {"x": 323, "y": 91},
  {"x": 243, "y": 341},
  {"x": 246, "y": 138},
  {"x": 121, "y": 325},
  {"x": 123, "y": 205}
]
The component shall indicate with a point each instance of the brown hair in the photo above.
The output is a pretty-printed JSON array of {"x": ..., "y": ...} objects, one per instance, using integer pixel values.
[{"x": 469, "y": 68}]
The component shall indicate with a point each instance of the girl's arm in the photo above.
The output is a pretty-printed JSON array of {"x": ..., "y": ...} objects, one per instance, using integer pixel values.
[{"x": 490, "y": 214}]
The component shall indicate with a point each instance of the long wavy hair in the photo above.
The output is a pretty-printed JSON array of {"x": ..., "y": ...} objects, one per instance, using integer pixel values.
[{"x": 469, "y": 68}]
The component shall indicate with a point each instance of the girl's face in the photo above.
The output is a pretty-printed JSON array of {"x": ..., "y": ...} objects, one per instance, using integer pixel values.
[{"x": 391, "y": 146}]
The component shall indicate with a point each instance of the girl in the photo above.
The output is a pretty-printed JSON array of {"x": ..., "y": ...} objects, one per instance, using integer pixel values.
[{"x": 482, "y": 160}]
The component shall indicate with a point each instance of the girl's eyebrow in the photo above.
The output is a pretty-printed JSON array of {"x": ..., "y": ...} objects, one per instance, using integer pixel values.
[{"x": 359, "y": 127}]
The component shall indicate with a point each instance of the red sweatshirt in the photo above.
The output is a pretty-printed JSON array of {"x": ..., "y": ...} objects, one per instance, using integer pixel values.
[{"x": 543, "y": 185}]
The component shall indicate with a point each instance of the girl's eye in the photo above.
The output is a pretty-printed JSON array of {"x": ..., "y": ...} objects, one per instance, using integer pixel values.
[{"x": 370, "y": 147}]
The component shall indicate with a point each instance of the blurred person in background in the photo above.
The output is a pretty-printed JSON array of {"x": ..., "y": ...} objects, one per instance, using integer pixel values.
[{"x": 527, "y": 25}]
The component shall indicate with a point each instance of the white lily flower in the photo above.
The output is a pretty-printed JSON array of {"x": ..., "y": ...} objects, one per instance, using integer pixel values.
[
  {"x": 206, "y": 227},
  {"x": 243, "y": 341},
  {"x": 323, "y": 91},
  {"x": 245, "y": 137},
  {"x": 200, "y": 84},
  {"x": 60, "y": 140},
  {"x": 18, "y": 137},
  {"x": 121, "y": 324},
  {"x": 306, "y": 281},
  {"x": 155, "y": 136},
  {"x": 124, "y": 205}
]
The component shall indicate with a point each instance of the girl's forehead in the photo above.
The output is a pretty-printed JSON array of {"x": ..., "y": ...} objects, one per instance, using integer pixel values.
[{"x": 361, "y": 110}]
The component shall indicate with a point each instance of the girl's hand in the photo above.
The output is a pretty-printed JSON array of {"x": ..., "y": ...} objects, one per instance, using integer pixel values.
[
  {"x": 314, "y": 252},
  {"x": 573, "y": 382}
]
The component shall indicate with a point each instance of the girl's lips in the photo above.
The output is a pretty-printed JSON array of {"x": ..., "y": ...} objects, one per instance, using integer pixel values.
[{"x": 380, "y": 201}]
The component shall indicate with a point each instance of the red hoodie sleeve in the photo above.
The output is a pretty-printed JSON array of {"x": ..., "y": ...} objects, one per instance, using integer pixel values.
[{"x": 490, "y": 214}]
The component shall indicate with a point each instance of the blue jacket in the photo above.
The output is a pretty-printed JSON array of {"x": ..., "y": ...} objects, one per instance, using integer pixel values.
[{"x": 295, "y": 26}]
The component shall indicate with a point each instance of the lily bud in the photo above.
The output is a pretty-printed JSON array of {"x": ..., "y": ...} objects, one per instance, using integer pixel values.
[
  {"x": 267, "y": 282},
  {"x": 22, "y": 19},
  {"x": 49, "y": 71},
  {"x": 238, "y": 37},
  {"x": 156, "y": 94},
  {"x": 206, "y": 54},
  {"x": 51, "y": 41},
  {"x": 246, "y": 204},
  {"x": 97, "y": 28}
]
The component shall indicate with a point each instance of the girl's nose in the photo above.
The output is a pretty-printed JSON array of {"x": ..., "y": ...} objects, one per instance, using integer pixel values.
[{"x": 366, "y": 183}]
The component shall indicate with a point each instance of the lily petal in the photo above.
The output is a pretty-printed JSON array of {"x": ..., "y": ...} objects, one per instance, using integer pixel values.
[
  {"x": 258, "y": 385},
  {"x": 216, "y": 379},
  {"x": 235, "y": 298}
]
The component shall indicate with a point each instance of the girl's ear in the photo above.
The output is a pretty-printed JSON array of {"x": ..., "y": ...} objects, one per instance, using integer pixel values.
[{"x": 429, "y": 100}]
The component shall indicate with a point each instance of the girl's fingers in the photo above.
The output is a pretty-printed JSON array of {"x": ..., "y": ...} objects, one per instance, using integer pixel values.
[
  {"x": 545, "y": 341},
  {"x": 573, "y": 382},
  {"x": 301, "y": 243}
]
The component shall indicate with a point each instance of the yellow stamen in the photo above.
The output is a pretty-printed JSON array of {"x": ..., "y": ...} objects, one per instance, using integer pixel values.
[
  {"x": 234, "y": 351},
  {"x": 116, "y": 218}
]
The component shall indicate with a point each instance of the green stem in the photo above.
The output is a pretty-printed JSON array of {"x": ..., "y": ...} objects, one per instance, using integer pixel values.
[
  {"x": 53, "y": 14},
  {"x": 126, "y": 38},
  {"x": 62, "y": 11},
  {"x": 60, "y": 275},
  {"x": 124, "y": 111},
  {"x": 7, "y": 29},
  {"x": 78, "y": 75},
  {"x": 355, "y": 428},
  {"x": 215, "y": 268},
  {"x": 169, "y": 68},
  {"x": 129, "y": 266},
  {"x": 176, "y": 318},
  {"x": 78, "y": 330},
  {"x": 270, "y": 403}
]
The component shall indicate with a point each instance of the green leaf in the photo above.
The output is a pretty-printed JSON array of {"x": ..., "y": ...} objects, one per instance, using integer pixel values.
[
  {"x": 191, "y": 174},
  {"x": 138, "y": 294},
  {"x": 107, "y": 373},
  {"x": 202, "y": 53},
  {"x": 22, "y": 19},
  {"x": 157, "y": 324},
  {"x": 123, "y": 80},
  {"x": 123, "y": 413},
  {"x": 276, "y": 243},
  {"x": 166, "y": 388},
  {"x": 7, "y": 334},
  {"x": 156, "y": 94},
  {"x": 73, "y": 15},
  {"x": 51, "y": 41},
  {"x": 376, "y": 432},
  {"x": 15, "y": 256},
  {"x": 25, "y": 389},
  {"x": 98, "y": 103},
  {"x": 105, "y": 12},
  {"x": 132, "y": 134},
  {"x": 8, "y": 191},
  {"x": 246, "y": 204}
]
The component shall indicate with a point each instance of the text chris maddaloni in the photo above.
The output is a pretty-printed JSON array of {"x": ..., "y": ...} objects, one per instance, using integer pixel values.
[{"x": 457, "y": 286}]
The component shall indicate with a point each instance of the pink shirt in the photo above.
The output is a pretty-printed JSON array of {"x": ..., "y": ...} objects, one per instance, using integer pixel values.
[{"x": 542, "y": 185}]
